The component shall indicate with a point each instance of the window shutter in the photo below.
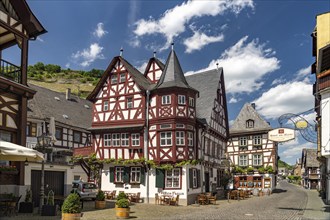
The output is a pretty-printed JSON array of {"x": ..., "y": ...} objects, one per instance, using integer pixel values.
[
  {"x": 198, "y": 178},
  {"x": 112, "y": 174},
  {"x": 143, "y": 176},
  {"x": 160, "y": 178},
  {"x": 191, "y": 185},
  {"x": 126, "y": 174}
]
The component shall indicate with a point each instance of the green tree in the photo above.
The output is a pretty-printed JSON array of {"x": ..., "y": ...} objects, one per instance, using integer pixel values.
[{"x": 39, "y": 66}]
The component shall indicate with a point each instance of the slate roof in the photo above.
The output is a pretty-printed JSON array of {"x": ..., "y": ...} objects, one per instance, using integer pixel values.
[
  {"x": 172, "y": 75},
  {"x": 207, "y": 84},
  {"x": 44, "y": 105},
  {"x": 311, "y": 158},
  {"x": 246, "y": 113}
]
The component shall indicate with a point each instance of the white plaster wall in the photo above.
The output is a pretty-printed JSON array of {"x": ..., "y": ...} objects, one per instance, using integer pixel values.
[{"x": 325, "y": 125}]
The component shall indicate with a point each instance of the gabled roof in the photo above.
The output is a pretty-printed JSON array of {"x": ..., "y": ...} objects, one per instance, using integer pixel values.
[
  {"x": 142, "y": 82},
  {"x": 310, "y": 158},
  {"x": 207, "y": 84},
  {"x": 47, "y": 103},
  {"x": 248, "y": 112},
  {"x": 151, "y": 60},
  {"x": 172, "y": 75}
]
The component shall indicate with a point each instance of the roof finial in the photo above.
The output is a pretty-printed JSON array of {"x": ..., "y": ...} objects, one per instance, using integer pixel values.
[
  {"x": 217, "y": 65},
  {"x": 121, "y": 51},
  {"x": 154, "y": 54},
  {"x": 172, "y": 44}
]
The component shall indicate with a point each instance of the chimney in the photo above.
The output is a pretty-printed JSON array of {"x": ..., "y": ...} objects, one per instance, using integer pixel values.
[
  {"x": 253, "y": 105},
  {"x": 68, "y": 94}
]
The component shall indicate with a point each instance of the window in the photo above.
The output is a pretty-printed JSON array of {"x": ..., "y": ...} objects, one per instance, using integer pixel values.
[
  {"x": 190, "y": 139},
  {"x": 129, "y": 102},
  {"x": 181, "y": 100},
  {"x": 257, "y": 160},
  {"x": 122, "y": 77},
  {"x": 124, "y": 139},
  {"x": 119, "y": 174},
  {"x": 179, "y": 125},
  {"x": 164, "y": 126},
  {"x": 195, "y": 181},
  {"x": 180, "y": 138},
  {"x": 136, "y": 139},
  {"x": 31, "y": 129},
  {"x": 243, "y": 141},
  {"x": 105, "y": 106},
  {"x": 172, "y": 178},
  {"x": 76, "y": 136},
  {"x": 114, "y": 79},
  {"x": 135, "y": 175},
  {"x": 243, "y": 182},
  {"x": 107, "y": 140},
  {"x": 243, "y": 160},
  {"x": 116, "y": 139},
  {"x": 191, "y": 102},
  {"x": 249, "y": 123},
  {"x": 58, "y": 133},
  {"x": 166, "y": 138},
  {"x": 257, "y": 182},
  {"x": 166, "y": 99},
  {"x": 257, "y": 140}
]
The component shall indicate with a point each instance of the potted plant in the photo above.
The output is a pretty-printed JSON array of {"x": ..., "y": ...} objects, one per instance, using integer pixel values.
[
  {"x": 71, "y": 208},
  {"x": 50, "y": 208},
  {"x": 250, "y": 170},
  {"x": 100, "y": 200},
  {"x": 27, "y": 205},
  {"x": 122, "y": 208}
]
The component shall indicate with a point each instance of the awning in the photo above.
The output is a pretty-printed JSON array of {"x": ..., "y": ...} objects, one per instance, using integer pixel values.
[{"x": 13, "y": 152}]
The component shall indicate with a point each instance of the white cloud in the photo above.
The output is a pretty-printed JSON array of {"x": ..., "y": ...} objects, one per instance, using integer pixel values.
[
  {"x": 233, "y": 100},
  {"x": 99, "y": 31},
  {"x": 245, "y": 64},
  {"x": 290, "y": 151},
  {"x": 40, "y": 39},
  {"x": 173, "y": 22},
  {"x": 89, "y": 55},
  {"x": 291, "y": 97},
  {"x": 303, "y": 74},
  {"x": 199, "y": 40}
]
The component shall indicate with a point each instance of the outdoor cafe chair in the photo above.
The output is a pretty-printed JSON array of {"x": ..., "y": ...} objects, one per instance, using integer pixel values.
[{"x": 174, "y": 200}]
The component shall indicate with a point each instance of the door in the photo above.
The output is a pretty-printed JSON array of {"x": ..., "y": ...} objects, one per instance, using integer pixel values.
[
  {"x": 207, "y": 182},
  {"x": 54, "y": 180}
]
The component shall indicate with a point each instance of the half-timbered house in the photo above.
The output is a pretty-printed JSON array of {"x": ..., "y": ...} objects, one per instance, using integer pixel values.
[
  {"x": 165, "y": 117},
  {"x": 18, "y": 26},
  {"x": 70, "y": 117},
  {"x": 253, "y": 156}
]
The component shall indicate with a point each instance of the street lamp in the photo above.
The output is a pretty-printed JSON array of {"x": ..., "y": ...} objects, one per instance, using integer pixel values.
[{"x": 43, "y": 142}]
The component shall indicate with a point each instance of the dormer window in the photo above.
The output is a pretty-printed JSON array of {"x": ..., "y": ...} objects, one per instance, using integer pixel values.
[
  {"x": 181, "y": 100},
  {"x": 249, "y": 123},
  {"x": 114, "y": 79},
  {"x": 166, "y": 100}
]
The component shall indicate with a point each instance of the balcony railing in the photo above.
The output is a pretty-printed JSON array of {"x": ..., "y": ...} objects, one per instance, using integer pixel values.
[{"x": 10, "y": 71}]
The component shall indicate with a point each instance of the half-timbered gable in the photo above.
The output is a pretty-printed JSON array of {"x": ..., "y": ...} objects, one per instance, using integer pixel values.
[
  {"x": 154, "y": 70},
  {"x": 249, "y": 146}
]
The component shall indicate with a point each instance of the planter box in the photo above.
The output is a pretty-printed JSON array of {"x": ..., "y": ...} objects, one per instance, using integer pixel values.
[
  {"x": 71, "y": 216},
  {"x": 49, "y": 210},
  {"x": 25, "y": 207},
  {"x": 100, "y": 204}
]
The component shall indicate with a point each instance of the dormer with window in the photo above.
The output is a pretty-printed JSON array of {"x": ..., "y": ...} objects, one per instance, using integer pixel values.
[{"x": 250, "y": 123}]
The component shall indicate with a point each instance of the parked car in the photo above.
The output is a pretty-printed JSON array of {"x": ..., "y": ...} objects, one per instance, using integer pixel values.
[{"x": 84, "y": 189}]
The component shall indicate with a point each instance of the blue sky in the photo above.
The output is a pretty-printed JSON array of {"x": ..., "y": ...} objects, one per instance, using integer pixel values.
[{"x": 263, "y": 46}]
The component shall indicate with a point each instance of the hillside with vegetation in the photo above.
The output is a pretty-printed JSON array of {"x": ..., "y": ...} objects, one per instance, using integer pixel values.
[
  {"x": 284, "y": 164},
  {"x": 55, "y": 78}
]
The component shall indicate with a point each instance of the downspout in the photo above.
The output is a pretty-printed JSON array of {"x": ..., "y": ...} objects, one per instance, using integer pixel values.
[{"x": 146, "y": 139}]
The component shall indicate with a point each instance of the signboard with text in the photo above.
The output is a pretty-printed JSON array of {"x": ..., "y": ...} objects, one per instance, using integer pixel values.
[{"x": 281, "y": 134}]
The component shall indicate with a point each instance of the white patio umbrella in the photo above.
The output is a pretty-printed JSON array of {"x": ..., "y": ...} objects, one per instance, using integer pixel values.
[{"x": 13, "y": 152}]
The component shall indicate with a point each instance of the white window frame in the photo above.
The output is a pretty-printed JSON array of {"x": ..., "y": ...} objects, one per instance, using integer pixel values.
[
  {"x": 114, "y": 79},
  {"x": 124, "y": 139},
  {"x": 135, "y": 175},
  {"x": 257, "y": 160},
  {"x": 129, "y": 102},
  {"x": 107, "y": 140},
  {"x": 166, "y": 99},
  {"x": 166, "y": 138},
  {"x": 135, "y": 139},
  {"x": 190, "y": 138},
  {"x": 191, "y": 102},
  {"x": 179, "y": 138},
  {"x": 243, "y": 141},
  {"x": 257, "y": 140},
  {"x": 173, "y": 178},
  {"x": 105, "y": 106},
  {"x": 122, "y": 77},
  {"x": 119, "y": 174},
  {"x": 116, "y": 139},
  {"x": 181, "y": 99},
  {"x": 243, "y": 160}
]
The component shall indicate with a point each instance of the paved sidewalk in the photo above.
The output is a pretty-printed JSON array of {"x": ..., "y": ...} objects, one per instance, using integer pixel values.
[{"x": 315, "y": 208}]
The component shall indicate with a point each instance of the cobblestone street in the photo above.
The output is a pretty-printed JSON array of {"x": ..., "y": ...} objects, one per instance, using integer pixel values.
[{"x": 287, "y": 202}]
